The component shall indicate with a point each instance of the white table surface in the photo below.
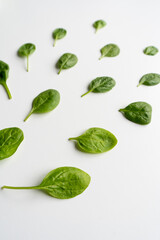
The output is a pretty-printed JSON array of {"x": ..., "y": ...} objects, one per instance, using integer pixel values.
[{"x": 123, "y": 199}]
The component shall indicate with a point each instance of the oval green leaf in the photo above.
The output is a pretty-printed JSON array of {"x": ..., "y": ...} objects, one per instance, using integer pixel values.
[
  {"x": 110, "y": 50},
  {"x": 101, "y": 85},
  {"x": 95, "y": 140},
  {"x": 138, "y": 112},
  {"x": 10, "y": 139},
  {"x": 26, "y": 50},
  {"x": 45, "y": 102},
  {"x": 151, "y": 50},
  {"x": 149, "y": 79},
  {"x": 4, "y": 72},
  {"x": 58, "y": 33},
  {"x": 66, "y": 61},
  {"x": 99, "y": 24},
  {"x": 62, "y": 183}
]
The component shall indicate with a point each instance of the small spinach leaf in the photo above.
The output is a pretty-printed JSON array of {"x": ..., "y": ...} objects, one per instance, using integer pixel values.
[
  {"x": 101, "y": 85},
  {"x": 45, "y": 102},
  {"x": 151, "y": 50},
  {"x": 10, "y": 139},
  {"x": 62, "y": 183},
  {"x": 4, "y": 71},
  {"x": 58, "y": 33},
  {"x": 149, "y": 79},
  {"x": 66, "y": 61},
  {"x": 99, "y": 24},
  {"x": 26, "y": 50},
  {"x": 110, "y": 50},
  {"x": 138, "y": 112},
  {"x": 95, "y": 140}
]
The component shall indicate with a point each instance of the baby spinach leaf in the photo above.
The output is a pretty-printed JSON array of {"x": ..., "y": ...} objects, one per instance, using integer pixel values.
[
  {"x": 58, "y": 33},
  {"x": 95, "y": 140},
  {"x": 151, "y": 50},
  {"x": 4, "y": 71},
  {"x": 138, "y": 112},
  {"x": 101, "y": 85},
  {"x": 10, "y": 139},
  {"x": 149, "y": 79},
  {"x": 66, "y": 61},
  {"x": 62, "y": 183},
  {"x": 99, "y": 24},
  {"x": 110, "y": 50},
  {"x": 26, "y": 50},
  {"x": 45, "y": 102}
]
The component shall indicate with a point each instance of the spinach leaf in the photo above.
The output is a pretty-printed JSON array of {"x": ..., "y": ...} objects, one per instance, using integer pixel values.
[
  {"x": 151, "y": 50},
  {"x": 62, "y": 183},
  {"x": 10, "y": 139},
  {"x": 95, "y": 140},
  {"x": 101, "y": 85},
  {"x": 26, "y": 50},
  {"x": 45, "y": 102},
  {"x": 58, "y": 33},
  {"x": 4, "y": 71},
  {"x": 66, "y": 61},
  {"x": 99, "y": 24},
  {"x": 138, "y": 112},
  {"x": 149, "y": 79},
  {"x": 110, "y": 50}
]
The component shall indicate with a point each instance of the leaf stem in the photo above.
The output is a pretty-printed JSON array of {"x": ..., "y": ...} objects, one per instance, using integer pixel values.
[
  {"x": 101, "y": 57},
  {"x": 86, "y": 93},
  {"x": 139, "y": 84},
  {"x": 10, "y": 187},
  {"x": 73, "y": 138},
  {"x": 28, "y": 115},
  {"x": 59, "y": 70},
  {"x": 27, "y": 63},
  {"x": 7, "y": 90},
  {"x": 54, "y": 44}
]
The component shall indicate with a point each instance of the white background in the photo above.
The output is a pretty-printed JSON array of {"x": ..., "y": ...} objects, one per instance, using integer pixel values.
[{"x": 123, "y": 199}]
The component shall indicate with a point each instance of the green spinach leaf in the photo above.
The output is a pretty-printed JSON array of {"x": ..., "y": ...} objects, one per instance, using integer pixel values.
[
  {"x": 101, "y": 85},
  {"x": 151, "y": 50},
  {"x": 58, "y": 33},
  {"x": 149, "y": 79},
  {"x": 25, "y": 51},
  {"x": 10, "y": 139},
  {"x": 138, "y": 112},
  {"x": 4, "y": 71},
  {"x": 95, "y": 140},
  {"x": 62, "y": 183},
  {"x": 66, "y": 61},
  {"x": 99, "y": 24},
  {"x": 45, "y": 102},
  {"x": 110, "y": 50}
]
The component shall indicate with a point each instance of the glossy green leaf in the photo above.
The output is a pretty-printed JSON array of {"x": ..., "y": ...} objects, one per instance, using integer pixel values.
[
  {"x": 10, "y": 139},
  {"x": 66, "y": 61},
  {"x": 26, "y": 50},
  {"x": 95, "y": 140},
  {"x": 101, "y": 85},
  {"x": 138, "y": 112},
  {"x": 149, "y": 79},
  {"x": 45, "y": 102},
  {"x": 99, "y": 24},
  {"x": 4, "y": 72},
  {"x": 62, "y": 183},
  {"x": 110, "y": 50},
  {"x": 58, "y": 33},
  {"x": 151, "y": 50}
]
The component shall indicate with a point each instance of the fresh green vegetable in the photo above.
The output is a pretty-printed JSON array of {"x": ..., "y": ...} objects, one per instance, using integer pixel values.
[
  {"x": 110, "y": 50},
  {"x": 138, "y": 112},
  {"x": 4, "y": 71},
  {"x": 99, "y": 24},
  {"x": 95, "y": 140},
  {"x": 10, "y": 139},
  {"x": 45, "y": 102},
  {"x": 62, "y": 183},
  {"x": 151, "y": 50},
  {"x": 149, "y": 79},
  {"x": 58, "y": 33},
  {"x": 26, "y": 50},
  {"x": 66, "y": 61},
  {"x": 101, "y": 85}
]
